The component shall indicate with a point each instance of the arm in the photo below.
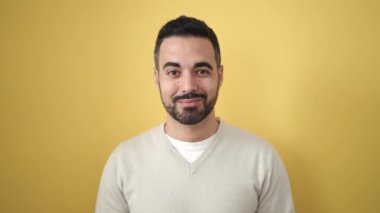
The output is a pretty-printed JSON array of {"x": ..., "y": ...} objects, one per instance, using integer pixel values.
[
  {"x": 276, "y": 196},
  {"x": 110, "y": 195}
]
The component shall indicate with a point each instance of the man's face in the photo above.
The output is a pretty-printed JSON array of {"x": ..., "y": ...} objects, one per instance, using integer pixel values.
[{"x": 188, "y": 78}]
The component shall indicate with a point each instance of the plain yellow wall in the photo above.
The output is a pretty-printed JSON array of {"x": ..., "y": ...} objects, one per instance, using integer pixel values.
[{"x": 76, "y": 79}]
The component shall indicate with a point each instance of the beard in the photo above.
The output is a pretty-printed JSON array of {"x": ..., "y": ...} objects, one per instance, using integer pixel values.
[{"x": 190, "y": 115}]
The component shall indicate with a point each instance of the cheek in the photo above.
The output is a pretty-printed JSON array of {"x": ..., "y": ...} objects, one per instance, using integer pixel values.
[
  {"x": 211, "y": 87},
  {"x": 168, "y": 89}
]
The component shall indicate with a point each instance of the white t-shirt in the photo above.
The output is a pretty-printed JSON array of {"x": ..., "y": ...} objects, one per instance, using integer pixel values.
[{"x": 190, "y": 150}]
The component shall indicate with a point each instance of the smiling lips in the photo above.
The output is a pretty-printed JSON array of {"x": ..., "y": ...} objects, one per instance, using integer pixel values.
[{"x": 190, "y": 101}]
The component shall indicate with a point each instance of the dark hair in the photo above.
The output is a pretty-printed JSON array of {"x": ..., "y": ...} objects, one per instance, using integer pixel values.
[{"x": 186, "y": 26}]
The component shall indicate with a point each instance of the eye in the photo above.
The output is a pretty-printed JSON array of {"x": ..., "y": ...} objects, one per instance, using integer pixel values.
[
  {"x": 173, "y": 73},
  {"x": 203, "y": 72}
]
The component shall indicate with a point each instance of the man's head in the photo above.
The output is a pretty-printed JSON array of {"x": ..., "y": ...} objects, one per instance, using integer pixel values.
[
  {"x": 184, "y": 26},
  {"x": 188, "y": 71}
]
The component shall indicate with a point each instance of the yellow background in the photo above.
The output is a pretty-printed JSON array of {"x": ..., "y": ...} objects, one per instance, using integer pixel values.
[{"x": 77, "y": 78}]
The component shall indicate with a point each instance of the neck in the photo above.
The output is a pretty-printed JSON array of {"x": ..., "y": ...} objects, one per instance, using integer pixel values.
[{"x": 192, "y": 133}]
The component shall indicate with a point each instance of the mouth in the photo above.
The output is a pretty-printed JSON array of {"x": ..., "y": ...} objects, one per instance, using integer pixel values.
[{"x": 190, "y": 100}]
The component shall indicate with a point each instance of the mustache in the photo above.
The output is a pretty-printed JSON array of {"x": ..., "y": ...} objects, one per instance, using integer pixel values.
[{"x": 189, "y": 96}]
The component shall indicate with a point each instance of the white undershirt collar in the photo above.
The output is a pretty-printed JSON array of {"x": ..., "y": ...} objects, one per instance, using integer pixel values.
[{"x": 191, "y": 151}]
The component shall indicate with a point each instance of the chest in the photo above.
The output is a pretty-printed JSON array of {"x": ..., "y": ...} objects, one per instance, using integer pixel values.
[{"x": 205, "y": 191}]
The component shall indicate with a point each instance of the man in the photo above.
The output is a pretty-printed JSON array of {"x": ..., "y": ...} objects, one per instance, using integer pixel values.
[{"x": 194, "y": 162}]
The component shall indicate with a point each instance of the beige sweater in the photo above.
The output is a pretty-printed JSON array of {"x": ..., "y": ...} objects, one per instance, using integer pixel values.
[{"x": 238, "y": 173}]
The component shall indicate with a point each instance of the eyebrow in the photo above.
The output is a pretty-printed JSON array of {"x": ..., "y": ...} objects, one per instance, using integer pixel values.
[
  {"x": 196, "y": 65},
  {"x": 171, "y": 64},
  {"x": 203, "y": 64}
]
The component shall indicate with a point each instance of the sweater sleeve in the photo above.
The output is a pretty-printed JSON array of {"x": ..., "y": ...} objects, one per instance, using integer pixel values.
[
  {"x": 276, "y": 196},
  {"x": 110, "y": 195}
]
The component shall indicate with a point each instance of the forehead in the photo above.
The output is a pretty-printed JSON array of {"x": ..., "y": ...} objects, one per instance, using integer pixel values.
[{"x": 186, "y": 50}]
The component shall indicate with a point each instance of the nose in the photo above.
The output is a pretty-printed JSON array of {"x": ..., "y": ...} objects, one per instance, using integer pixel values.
[{"x": 188, "y": 83}]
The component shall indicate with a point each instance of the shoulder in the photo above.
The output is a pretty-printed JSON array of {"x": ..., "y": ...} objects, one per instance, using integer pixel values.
[
  {"x": 242, "y": 137},
  {"x": 247, "y": 145},
  {"x": 141, "y": 143}
]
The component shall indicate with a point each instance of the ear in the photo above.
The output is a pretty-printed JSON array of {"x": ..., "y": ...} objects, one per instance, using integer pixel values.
[
  {"x": 220, "y": 75},
  {"x": 156, "y": 76}
]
